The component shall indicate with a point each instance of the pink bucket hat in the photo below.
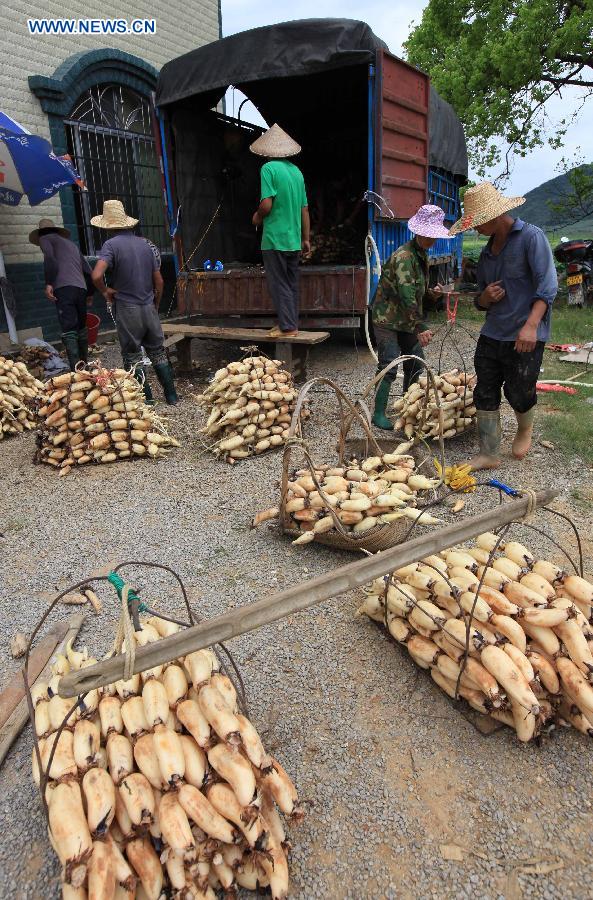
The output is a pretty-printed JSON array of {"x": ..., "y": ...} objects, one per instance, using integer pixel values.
[{"x": 428, "y": 222}]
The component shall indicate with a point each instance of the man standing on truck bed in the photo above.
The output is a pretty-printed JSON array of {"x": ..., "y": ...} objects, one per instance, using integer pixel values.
[
  {"x": 284, "y": 213},
  {"x": 517, "y": 283}
]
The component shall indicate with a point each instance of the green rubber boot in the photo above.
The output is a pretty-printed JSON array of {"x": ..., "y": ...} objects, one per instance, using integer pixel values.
[
  {"x": 164, "y": 373},
  {"x": 70, "y": 341},
  {"x": 490, "y": 435},
  {"x": 381, "y": 397},
  {"x": 83, "y": 345}
]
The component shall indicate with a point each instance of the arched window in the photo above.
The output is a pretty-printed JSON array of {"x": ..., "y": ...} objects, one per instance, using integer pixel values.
[{"x": 110, "y": 139}]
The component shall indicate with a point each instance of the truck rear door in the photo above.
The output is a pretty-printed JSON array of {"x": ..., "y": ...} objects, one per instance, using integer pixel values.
[{"x": 401, "y": 135}]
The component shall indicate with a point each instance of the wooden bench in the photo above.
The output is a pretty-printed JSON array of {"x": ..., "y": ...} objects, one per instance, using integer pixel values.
[{"x": 293, "y": 351}]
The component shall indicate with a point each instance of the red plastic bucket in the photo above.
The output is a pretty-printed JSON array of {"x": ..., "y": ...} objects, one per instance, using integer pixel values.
[{"x": 92, "y": 323}]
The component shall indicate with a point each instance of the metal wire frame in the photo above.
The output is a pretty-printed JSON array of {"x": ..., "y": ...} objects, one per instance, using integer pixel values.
[
  {"x": 112, "y": 144},
  {"x": 470, "y": 622},
  {"x": 233, "y": 674}
]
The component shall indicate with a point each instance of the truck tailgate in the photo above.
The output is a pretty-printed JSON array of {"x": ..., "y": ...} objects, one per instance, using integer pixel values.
[{"x": 323, "y": 290}]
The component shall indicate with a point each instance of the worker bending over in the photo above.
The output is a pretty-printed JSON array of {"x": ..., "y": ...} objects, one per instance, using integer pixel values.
[
  {"x": 68, "y": 284},
  {"x": 397, "y": 310}
]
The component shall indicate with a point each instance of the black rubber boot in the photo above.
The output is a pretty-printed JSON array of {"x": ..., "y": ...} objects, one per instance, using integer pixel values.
[
  {"x": 83, "y": 345},
  {"x": 164, "y": 373},
  {"x": 70, "y": 341}
]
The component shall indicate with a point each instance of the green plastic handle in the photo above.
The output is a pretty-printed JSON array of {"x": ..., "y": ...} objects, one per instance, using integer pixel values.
[{"x": 118, "y": 583}]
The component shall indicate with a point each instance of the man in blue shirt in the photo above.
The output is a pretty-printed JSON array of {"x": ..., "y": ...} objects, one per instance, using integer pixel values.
[{"x": 518, "y": 284}]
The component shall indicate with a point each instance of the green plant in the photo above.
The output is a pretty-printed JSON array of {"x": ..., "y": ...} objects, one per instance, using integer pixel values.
[{"x": 498, "y": 62}]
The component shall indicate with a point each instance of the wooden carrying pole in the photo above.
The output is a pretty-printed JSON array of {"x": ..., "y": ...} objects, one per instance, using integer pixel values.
[{"x": 299, "y": 597}]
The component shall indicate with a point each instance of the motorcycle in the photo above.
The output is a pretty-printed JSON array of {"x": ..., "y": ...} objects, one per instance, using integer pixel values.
[{"x": 577, "y": 256}]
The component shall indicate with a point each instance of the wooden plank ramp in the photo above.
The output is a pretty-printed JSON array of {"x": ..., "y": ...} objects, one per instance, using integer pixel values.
[
  {"x": 293, "y": 351},
  {"x": 250, "y": 335},
  {"x": 299, "y": 597}
]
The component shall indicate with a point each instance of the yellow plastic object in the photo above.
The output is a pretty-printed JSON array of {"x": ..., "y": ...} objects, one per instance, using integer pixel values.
[{"x": 458, "y": 478}]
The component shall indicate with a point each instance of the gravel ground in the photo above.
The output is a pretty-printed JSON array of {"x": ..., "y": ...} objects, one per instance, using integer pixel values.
[{"x": 389, "y": 769}]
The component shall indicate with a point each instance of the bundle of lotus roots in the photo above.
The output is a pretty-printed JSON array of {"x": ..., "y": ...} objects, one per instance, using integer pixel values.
[
  {"x": 159, "y": 786},
  {"x": 418, "y": 411},
  {"x": 97, "y": 415},
  {"x": 34, "y": 357},
  {"x": 250, "y": 406},
  {"x": 375, "y": 491},
  {"x": 18, "y": 390},
  {"x": 524, "y": 621}
]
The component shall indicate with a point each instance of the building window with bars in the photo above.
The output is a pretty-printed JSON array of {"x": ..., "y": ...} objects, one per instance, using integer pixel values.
[{"x": 111, "y": 141}]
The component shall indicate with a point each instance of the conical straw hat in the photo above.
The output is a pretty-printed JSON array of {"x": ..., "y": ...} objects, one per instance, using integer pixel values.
[
  {"x": 481, "y": 204},
  {"x": 114, "y": 216},
  {"x": 275, "y": 144}
]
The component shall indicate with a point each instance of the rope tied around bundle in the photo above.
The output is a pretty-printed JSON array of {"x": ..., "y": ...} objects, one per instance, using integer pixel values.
[
  {"x": 125, "y": 631},
  {"x": 531, "y": 496}
]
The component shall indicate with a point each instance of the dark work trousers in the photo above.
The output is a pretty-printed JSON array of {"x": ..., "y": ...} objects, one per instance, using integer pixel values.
[
  {"x": 390, "y": 345},
  {"x": 138, "y": 325},
  {"x": 71, "y": 308},
  {"x": 282, "y": 276},
  {"x": 500, "y": 367}
]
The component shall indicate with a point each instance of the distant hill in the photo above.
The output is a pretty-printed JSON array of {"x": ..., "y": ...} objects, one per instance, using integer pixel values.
[{"x": 537, "y": 211}]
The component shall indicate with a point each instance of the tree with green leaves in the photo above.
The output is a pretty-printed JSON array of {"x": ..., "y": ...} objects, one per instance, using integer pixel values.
[{"x": 498, "y": 62}]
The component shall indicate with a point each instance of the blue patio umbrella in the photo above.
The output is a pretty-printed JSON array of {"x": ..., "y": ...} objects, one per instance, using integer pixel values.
[{"x": 29, "y": 166}]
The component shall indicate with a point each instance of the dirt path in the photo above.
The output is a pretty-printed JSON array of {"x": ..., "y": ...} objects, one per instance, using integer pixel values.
[{"x": 390, "y": 770}]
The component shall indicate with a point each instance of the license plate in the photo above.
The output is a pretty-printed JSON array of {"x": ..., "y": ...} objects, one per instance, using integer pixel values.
[{"x": 574, "y": 279}]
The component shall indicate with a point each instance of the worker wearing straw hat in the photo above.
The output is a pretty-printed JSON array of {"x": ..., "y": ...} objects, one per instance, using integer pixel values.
[
  {"x": 517, "y": 282},
  {"x": 68, "y": 284},
  {"x": 397, "y": 309},
  {"x": 283, "y": 211},
  {"x": 135, "y": 296}
]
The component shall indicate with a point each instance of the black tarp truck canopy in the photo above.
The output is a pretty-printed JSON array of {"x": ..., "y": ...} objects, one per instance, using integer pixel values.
[
  {"x": 263, "y": 63},
  {"x": 312, "y": 78}
]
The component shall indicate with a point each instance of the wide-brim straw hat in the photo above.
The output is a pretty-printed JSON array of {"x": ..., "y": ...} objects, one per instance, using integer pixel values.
[
  {"x": 275, "y": 144},
  {"x": 114, "y": 216},
  {"x": 46, "y": 225},
  {"x": 428, "y": 222},
  {"x": 481, "y": 204}
]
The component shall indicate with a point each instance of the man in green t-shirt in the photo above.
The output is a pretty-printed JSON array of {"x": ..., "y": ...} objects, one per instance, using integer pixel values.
[{"x": 284, "y": 214}]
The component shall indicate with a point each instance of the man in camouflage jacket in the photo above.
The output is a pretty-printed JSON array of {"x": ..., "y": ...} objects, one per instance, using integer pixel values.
[{"x": 397, "y": 309}]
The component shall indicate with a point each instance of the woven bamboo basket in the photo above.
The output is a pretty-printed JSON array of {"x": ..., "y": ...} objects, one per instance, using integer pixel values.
[{"x": 381, "y": 537}]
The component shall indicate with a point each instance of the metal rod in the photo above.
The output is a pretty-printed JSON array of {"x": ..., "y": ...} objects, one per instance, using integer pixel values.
[{"x": 300, "y": 597}]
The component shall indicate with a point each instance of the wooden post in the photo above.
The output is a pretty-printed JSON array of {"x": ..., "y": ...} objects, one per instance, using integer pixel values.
[
  {"x": 297, "y": 598},
  {"x": 184, "y": 355},
  {"x": 283, "y": 350},
  {"x": 300, "y": 359}
]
